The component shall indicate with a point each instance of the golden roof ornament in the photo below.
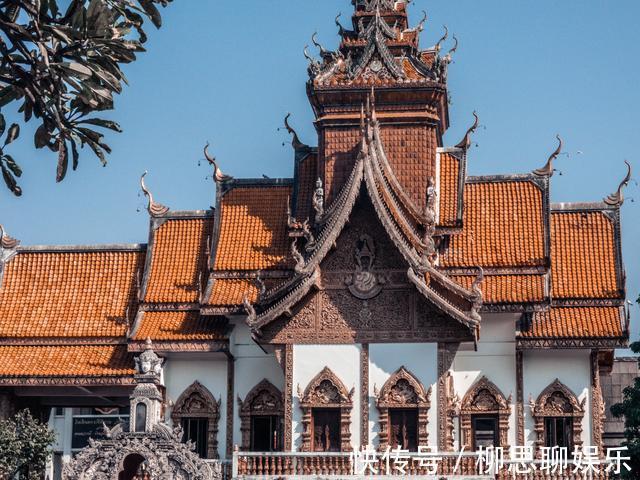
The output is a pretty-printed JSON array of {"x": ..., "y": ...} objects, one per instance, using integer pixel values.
[
  {"x": 617, "y": 199},
  {"x": 155, "y": 209},
  {"x": 547, "y": 170}
]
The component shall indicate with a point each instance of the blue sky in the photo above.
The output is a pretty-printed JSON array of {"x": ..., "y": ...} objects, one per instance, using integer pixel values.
[{"x": 228, "y": 72}]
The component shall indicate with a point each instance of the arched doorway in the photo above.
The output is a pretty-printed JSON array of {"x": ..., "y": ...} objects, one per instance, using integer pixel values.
[{"x": 130, "y": 466}]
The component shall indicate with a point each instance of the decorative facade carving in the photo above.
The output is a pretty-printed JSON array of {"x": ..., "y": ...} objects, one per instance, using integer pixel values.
[
  {"x": 164, "y": 454},
  {"x": 198, "y": 402},
  {"x": 446, "y": 397},
  {"x": 557, "y": 400},
  {"x": 229, "y": 413},
  {"x": 402, "y": 390},
  {"x": 263, "y": 399},
  {"x": 288, "y": 396},
  {"x": 597, "y": 404},
  {"x": 519, "y": 398},
  {"x": 326, "y": 390},
  {"x": 365, "y": 284},
  {"x": 486, "y": 399},
  {"x": 364, "y": 394}
]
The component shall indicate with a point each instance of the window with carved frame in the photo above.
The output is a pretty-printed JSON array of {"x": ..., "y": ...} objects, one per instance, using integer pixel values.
[
  {"x": 261, "y": 418},
  {"x": 484, "y": 416},
  {"x": 403, "y": 405},
  {"x": 326, "y": 414},
  {"x": 558, "y": 415},
  {"x": 198, "y": 413}
]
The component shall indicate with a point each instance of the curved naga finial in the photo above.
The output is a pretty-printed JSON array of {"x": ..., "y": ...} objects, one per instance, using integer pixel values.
[
  {"x": 295, "y": 141},
  {"x": 616, "y": 199},
  {"x": 449, "y": 56},
  {"x": 297, "y": 256},
  {"x": 323, "y": 51},
  {"x": 420, "y": 27},
  {"x": 341, "y": 30},
  {"x": 547, "y": 170},
  {"x": 7, "y": 241},
  {"x": 218, "y": 176},
  {"x": 438, "y": 45},
  {"x": 465, "y": 143},
  {"x": 154, "y": 209}
]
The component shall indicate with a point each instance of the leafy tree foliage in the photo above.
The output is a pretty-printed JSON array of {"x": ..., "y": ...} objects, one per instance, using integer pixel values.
[
  {"x": 64, "y": 65},
  {"x": 630, "y": 410},
  {"x": 25, "y": 445}
]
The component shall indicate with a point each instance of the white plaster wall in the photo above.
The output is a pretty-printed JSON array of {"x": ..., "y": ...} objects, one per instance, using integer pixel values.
[
  {"x": 494, "y": 358},
  {"x": 571, "y": 367},
  {"x": 252, "y": 365},
  {"x": 421, "y": 359},
  {"x": 211, "y": 371},
  {"x": 344, "y": 361}
]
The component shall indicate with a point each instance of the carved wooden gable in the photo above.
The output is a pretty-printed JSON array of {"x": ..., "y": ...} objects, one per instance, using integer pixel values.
[{"x": 364, "y": 295}]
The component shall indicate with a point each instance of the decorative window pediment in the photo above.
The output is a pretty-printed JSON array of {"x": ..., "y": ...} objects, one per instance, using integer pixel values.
[
  {"x": 265, "y": 399},
  {"x": 557, "y": 401},
  {"x": 326, "y": 391},
  {"x": 402, "y": 390},
  {"x": 198, "y": 402},
  {"x": 484, "y": 398}
]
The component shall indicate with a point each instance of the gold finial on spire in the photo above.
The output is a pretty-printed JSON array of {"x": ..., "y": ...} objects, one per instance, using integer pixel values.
[
  {"x": 154, "y": 209},
  {"x": 617, "y": 199},
  {"x": 547, "y": 170}
]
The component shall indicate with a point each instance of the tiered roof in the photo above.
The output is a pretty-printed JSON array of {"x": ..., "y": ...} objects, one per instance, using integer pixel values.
[{"x": 470, "y": 244}]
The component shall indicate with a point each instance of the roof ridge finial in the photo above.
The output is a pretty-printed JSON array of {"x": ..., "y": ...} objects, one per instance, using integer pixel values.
[
  {"x": 295, "y": 141},
  {"x": 617, "y": 199},
  {"x": 547, "y": 170},
  {"x": 439, "y": 43},
  {"x": 449, "y": 56},
  {"x": 465, "y": 143},
  {"x": 323, "y": 51},
  {"x": 341, "y": 30},
  {"x": 155, "y": 209},
  {"x": 477, "y": 294},
  {"x": 218, "y": 176},
  {"x": 6, "y": 241}
]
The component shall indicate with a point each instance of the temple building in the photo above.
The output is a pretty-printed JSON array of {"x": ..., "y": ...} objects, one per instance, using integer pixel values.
[{"x": 381, "y": 296}]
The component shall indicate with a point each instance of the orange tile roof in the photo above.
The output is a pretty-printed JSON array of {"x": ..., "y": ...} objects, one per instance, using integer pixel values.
[
  {"x": 230, "y": 292},
  {"x": 503, "y": 226},
  {"x": 65, "y": 361},
  {"x": 583, "y": 255},
  {"x": 449, "y": 189},
  {"x": 307, "y": 176},
  {"x": 178, "y": 258},
  {"x": 507, "y": 288},
  {"x": 69, "y": 294},
  {"x": 339, "y": 144},
  {"x": 253, "y": 229},
  {"x": 571, "y": 322},
  {"x": 177, "y": 326}
]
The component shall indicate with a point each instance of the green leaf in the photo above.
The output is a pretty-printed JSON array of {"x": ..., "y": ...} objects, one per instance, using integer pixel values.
[
  {"x": 42, "y": 136},
  {"x": 10, "y": 180},
  {"x": 103, "y": 123},
  {"x": 14, "y": 132},
  {"x": 153, "y": 13},
  {"x": 13, "y": 166},
  {"x": 63, "y": 160}
]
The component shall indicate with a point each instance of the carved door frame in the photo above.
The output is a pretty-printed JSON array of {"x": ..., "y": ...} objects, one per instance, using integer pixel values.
[
  {"x": 314, "y": 397},
  {"x": 472, "y": 405},
  {"x": 247, "y": 408},
  {"x": 207, "y": 407},
  {"x": 544, "y": 407},
  {"x": 388, "y": 397}
]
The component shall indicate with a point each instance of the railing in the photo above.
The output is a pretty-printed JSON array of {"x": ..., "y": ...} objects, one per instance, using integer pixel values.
[{"x": 275, "y": 465}]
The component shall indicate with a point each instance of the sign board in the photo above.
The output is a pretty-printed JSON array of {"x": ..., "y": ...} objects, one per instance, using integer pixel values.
[{"x": 91, "y": 426}]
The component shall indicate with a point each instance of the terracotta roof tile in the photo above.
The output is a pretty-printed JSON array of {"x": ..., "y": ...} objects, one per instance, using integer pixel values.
[
  {"x": 507, "y": 288},
  {"x": 253, "y": 229},
  {"x": 230, "y": 292},
  {"x": 571, "y": 322},
  {"x": 449, "y": 189},
  {"x": 503, "y": 226},
  {"x": 69, "y": 294},
  {"x": 177, "y": 326},
  {"x": 178, "y": 256},
  {"x": 65, "y": 361},
  {"x": 340, "y": 151},
  {"x": 583, "y": 255}
]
